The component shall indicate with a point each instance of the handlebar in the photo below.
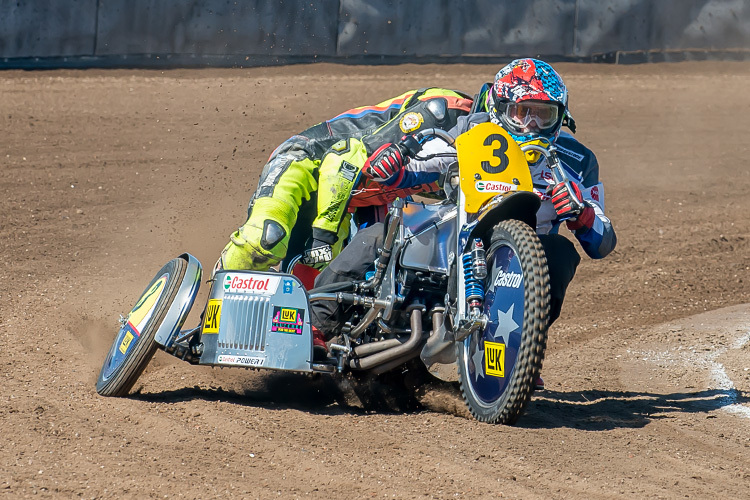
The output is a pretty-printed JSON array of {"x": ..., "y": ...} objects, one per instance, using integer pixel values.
[{"x": 558, "y": 173}]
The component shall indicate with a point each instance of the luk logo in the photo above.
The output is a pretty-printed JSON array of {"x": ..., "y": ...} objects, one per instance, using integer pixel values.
[
  {"x": 508, "y": 280},
  {"x": 288, "y": 315},
  {"x": 494, "y": 359},
  {"x": 212, "y": 318},
  {"x": 287, "y": 320},
  {"x": 126, "y": 342}
]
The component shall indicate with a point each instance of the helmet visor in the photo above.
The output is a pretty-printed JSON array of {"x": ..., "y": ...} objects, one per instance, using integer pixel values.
[{"x": 541, "y": 117}]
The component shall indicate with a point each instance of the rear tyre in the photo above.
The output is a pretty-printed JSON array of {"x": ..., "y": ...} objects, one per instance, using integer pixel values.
[
  {"x": 497, "y": 366},
  {"x": 134, "y": 344}
]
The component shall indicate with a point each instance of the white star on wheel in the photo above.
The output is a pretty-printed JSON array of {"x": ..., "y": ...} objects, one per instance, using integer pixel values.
[
  {"x": 478, "y": 365},
  {"x": 505, "y": 323}
]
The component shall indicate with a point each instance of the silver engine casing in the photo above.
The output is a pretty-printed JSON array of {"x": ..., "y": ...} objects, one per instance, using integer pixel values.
[{"x": 257, "y": 320}]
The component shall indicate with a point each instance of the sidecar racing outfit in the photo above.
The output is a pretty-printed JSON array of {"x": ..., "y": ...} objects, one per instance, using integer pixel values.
[
  {"x": 579, "y": 163},
  {"x": 308, "y": 179}
]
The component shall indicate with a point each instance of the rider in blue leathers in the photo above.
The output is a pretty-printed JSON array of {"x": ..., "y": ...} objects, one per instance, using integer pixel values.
[{"x": 530, "y": 101}]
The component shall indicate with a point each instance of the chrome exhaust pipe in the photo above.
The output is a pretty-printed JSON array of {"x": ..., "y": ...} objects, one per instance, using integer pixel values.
[{"x": 397, "y": 352}]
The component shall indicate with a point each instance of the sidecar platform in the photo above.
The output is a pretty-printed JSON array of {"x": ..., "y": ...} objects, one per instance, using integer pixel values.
[{"x": 257, "y": 320}]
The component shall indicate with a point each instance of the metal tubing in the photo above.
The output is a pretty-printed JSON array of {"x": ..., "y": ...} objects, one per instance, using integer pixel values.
[
  {"x": 370, "y": 316},
  {"x": 396, "y": 362},
  {"x": 382, "y": 357},
  {"x": 384, "y": 255},
  {"x": 374, "y": 347}
]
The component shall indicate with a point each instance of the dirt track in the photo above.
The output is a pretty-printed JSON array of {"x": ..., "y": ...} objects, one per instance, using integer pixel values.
[{"x": 107, "y": 175}]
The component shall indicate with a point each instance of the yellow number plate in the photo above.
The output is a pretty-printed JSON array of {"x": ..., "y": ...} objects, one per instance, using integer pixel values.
[{"x": 491, "y": 164}]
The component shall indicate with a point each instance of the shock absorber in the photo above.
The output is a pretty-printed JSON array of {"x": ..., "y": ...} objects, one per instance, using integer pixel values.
[{"x": 475, "y": 270}]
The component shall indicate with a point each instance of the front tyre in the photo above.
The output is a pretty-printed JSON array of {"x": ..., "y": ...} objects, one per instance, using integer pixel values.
[
  {"x": 497, "y": 366},
  {"x": 134, "y": 344}
]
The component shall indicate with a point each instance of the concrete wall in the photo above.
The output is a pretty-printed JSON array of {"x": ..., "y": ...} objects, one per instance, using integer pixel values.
[{"x": 229, "y": 32}]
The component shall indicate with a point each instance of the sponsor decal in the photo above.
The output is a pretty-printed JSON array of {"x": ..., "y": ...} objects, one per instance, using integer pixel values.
[
  {"x": 226, "y": 359},
  {"x": 288, "y": 286},
  {"x": 508, "y": 280},
  {"x": 410, "y": 122},
  {"x": 347, "y": 171},
  {"x": 595, "y": 193},
  {"x": 569, "y": 153},
  {"x": 212, "y": 318},
  {"x": 126, "y": 342},
  {"x": 494, "y": 359},
  {"x": 251, "y": 283},
  {"x": 494, "y": 187},
  {"x": 287, "y": 320},
  {"x": 145, "y": 306}
]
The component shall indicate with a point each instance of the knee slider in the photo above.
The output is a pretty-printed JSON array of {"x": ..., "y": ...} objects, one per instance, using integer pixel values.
[{"x": 273, "y": 233}]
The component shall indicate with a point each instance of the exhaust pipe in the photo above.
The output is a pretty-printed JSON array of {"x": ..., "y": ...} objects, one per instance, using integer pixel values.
[{"x": 397, "y": 352}]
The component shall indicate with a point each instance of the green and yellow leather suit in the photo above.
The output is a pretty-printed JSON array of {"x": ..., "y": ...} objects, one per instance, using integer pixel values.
[{"x": 309, "y": 178}]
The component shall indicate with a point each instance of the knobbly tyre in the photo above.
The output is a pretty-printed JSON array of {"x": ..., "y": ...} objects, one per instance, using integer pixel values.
[{"x": 463, "y": 281}]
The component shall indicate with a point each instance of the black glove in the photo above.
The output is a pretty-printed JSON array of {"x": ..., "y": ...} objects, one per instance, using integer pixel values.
[
  {"x": 386, "y": 163},
  {"x": 320, "y": 253}
]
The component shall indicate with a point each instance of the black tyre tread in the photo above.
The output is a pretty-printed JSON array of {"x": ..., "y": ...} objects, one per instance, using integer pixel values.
[
  {"x": 536, "y": 318},
  {"x": 127, "y": 374}
]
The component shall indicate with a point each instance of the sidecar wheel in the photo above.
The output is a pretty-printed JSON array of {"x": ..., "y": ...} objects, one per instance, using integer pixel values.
[
  {"x": 497, "y": 366},
  {"x": 134, "y": 344}
]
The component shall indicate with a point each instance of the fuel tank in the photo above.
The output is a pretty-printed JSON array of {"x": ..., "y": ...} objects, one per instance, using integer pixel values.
[{"x": 430, "y": 235}]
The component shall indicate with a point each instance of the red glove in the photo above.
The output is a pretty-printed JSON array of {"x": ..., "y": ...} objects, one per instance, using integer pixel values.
[
  {"x": 565, "y": 208},
  {"x": 385, "y": 163}
]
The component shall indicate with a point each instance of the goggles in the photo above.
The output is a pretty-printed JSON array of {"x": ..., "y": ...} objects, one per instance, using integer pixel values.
[{"x": 542, "y": 117}]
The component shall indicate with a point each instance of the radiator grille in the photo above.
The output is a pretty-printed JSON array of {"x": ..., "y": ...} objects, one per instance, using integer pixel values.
[{"x": 247, "y": 319}]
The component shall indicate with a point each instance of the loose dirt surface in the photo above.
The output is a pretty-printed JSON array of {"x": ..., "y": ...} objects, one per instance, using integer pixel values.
[{"x": 106, "y": 175}]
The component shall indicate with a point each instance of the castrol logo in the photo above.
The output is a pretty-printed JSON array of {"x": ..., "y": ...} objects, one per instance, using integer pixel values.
[
  {"x": 508, "y": 280},
  {"x": 251, "y": 283},
  {"x": 494, "y": 187}
]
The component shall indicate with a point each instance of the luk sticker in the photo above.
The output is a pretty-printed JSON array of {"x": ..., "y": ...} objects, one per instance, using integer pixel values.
[
  {"x": 287, "y": 320},
  {"x": 225, "y": 359},
  {"x": 145, "y": 306},
  {"x": 251, "y": 283},
  {"x": 410, "y": 122},
  {"x": 126, "y": 342},
  {"x": 212, "y": 317},
  {"x": 494, "y": 359},
  {"x": 494, "y": 187}
]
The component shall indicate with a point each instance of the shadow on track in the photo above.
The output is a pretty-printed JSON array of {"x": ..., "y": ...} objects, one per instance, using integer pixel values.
[
  {"x": 319, "y": 394},
  {"x": 607, "y": 410},
  {"x": 407, "y": 391}
]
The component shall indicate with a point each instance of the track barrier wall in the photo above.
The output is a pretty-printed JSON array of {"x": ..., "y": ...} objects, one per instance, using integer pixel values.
[{"x": 43, "y": 33}]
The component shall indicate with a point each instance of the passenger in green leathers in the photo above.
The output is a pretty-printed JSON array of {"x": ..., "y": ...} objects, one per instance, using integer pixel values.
[{"x": 308, "y": 180}]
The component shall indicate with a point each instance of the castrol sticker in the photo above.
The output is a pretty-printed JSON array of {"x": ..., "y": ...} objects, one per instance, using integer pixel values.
[
  {"x": 508, "y": 280},
  {"x": 494, "y": 187},
  {"x": 257, "y": 284}
]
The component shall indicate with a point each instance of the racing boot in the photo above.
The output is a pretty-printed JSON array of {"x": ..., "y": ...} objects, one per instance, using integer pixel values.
[
  {"x": 539, "y": 383},
  {"x": 320, "y": 349}
]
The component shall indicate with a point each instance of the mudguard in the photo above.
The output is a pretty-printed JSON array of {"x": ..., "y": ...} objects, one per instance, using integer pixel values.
[
  {"x": 257, "y": 320},
  {"x": 182, "y": 303}
]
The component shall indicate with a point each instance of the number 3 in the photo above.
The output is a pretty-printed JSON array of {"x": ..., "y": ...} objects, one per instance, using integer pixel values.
[{"x": 498, "y": 152}]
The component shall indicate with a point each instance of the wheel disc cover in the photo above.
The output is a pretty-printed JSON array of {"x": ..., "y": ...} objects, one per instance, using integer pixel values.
[
  {"x": 491, "y": 354},
  {"x": 130, "y": 332}
]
